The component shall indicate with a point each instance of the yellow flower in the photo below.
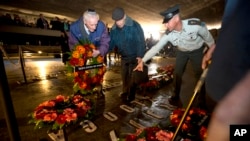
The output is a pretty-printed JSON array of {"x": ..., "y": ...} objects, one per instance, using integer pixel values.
[{"x": 69, "y": 74}]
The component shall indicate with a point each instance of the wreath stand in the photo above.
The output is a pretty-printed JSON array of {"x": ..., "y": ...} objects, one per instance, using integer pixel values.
[{"x": 58, "y": 135}]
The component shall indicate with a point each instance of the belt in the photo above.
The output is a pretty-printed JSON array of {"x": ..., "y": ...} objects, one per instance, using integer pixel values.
[{"x": 186, "y": 50}]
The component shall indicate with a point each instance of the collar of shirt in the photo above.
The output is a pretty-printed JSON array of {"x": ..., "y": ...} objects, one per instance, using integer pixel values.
[{"x": 86, "y": 29}]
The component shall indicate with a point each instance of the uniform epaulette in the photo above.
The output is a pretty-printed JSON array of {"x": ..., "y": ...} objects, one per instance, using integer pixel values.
[{"x": 194, "y": 22}]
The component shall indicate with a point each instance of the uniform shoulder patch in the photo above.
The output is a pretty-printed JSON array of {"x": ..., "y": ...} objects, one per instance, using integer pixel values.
[{"x": 194, "y": 22}]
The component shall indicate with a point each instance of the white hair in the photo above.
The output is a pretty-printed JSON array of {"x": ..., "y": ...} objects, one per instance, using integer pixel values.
[{"x": 87, "y": 15}]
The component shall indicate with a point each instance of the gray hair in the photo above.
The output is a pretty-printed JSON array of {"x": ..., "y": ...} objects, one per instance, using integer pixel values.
[{"x": 90, "y": 14}]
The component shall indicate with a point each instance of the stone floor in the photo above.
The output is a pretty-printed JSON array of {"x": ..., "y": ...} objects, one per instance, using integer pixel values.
[{"x": 46, "y": 78}]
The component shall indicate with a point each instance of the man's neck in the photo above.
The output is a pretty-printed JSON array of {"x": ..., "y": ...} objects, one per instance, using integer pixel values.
[{"x": 179, "y": 26}]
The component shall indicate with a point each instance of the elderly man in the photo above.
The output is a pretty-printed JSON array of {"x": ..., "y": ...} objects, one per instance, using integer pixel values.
[
  {"x": 189, "y": 36},
  {"x": 90, "y": 27},
  {"x": 127, "y": 35}
]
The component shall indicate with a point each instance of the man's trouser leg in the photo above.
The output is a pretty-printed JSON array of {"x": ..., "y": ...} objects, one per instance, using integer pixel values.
[
  {"x": 181, "y": 62},
  {"x": 125, "y": 76},
  {"x": 132, "y": 85}
]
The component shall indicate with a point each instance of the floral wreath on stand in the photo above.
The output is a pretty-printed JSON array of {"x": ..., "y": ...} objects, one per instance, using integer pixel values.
[
  {"x": 61, "y": 112},
  {"x": 85, "y": 71}
]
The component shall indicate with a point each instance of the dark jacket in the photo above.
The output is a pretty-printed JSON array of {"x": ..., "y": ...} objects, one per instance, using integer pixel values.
[
  {"x": 129, "y": 40},
  {"x": 231, "y": 57},
  {"x": 100, "y": 37},
  {"x": 42, "y": 23}
]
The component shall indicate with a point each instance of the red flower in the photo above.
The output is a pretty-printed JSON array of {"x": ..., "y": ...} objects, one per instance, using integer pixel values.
[
  {"x": 203, "y": 133},
  {"x": 61, "y": 119},
  {"x": 60, "y": 98},
  {"x": 74, "y": 61},
  {"x": 131, "y": 137},
  {"x": 50, "y": 117},
  {"x": 164, "y": 136},
  {"x": 70, "y": 115},
  {"x": 150, "y": 134}
]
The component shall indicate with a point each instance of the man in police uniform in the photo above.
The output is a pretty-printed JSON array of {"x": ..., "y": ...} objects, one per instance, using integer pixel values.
[{"x": 190, "y": 37}]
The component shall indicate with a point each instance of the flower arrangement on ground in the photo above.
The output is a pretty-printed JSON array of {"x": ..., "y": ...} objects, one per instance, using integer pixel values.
[
  {"x": 150, "y": 134},
  {"x": 85, "y": 71},
  {"x": 195, "y": 124},
  {"x": 61, "y": 112},
  {"x": 164, "y": 75},
  {"x": 168, "y": 70}
]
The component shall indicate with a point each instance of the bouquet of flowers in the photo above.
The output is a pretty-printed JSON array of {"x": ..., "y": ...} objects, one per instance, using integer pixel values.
[
  {"x": 85, "y": 71},
  {"x": 61, "y": 112},
  {"x": 150, "y": 134}
]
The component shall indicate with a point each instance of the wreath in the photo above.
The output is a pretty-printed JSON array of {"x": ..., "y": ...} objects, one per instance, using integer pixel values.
[
  {"x": 85, "y": 71},
  {"x": 61, "y": 112}
]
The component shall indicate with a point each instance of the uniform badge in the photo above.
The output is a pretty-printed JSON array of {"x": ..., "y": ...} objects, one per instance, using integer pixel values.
[{"x": 194, "y": 22}]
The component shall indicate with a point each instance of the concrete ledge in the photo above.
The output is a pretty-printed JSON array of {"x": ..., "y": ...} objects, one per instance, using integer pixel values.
[{"x": 30, "y": 31}]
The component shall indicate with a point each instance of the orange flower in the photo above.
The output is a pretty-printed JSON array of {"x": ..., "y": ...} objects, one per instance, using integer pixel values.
[
  {"x": 89, "y": 54},
  {"x": 92, "y": 46},
  {"x": 81, "y": 62},
  {"x": 75, "y": 54},
  {"x": 99, "y": 59},
  {"x": 81, "y": 49},
  {"x": 83, "y": 85},
  {"x": 75, "y": 74}
]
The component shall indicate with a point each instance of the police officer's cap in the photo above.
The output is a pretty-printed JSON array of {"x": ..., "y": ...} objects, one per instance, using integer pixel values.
[{"x": 169, "y": 13}]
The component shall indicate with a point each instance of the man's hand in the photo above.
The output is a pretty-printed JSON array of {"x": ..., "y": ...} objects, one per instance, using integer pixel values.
[
  {"x": 207, "y": 57},
  {"x": 205, "y": 61},
  {"x": 138, "y": 60},
  {"x": 139, "y": 67},
  {"x": 95, "y": 53}
]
